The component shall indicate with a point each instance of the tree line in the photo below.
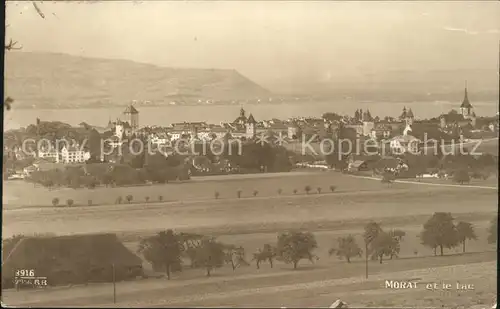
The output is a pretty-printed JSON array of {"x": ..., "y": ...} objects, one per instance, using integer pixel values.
[
  {"x": 92, "y": 175},
  {"x": 172, "y": 252},
  {"x": 167, "y": 251}
]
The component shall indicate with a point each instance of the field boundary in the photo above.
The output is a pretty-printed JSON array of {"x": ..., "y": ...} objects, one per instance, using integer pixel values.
[
  {"x": 312, "y": 226},
  {"x": 427, "y": 183},
  {"x": 188, "y": 201}
]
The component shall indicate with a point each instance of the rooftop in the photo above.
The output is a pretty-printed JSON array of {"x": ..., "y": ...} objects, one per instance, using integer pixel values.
[{"x": 130, "y": 110}]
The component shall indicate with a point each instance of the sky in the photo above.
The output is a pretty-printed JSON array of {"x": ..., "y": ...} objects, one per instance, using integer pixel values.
[{"x": 268, "y": 41}]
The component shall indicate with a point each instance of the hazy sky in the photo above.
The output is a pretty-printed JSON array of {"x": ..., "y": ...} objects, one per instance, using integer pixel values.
[{"x": 268, "y": 41}]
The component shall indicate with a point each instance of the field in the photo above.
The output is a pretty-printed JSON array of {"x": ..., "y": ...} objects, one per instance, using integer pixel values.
[
  {"x": 203, "y": 188},
  {"x": 198, "y": 188},
  {"x": 253, "y": 221},
  {"x": 313, "y": 286}
]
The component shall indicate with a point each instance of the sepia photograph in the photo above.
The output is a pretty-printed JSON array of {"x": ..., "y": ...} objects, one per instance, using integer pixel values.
[{"x": 272, "y": 154}]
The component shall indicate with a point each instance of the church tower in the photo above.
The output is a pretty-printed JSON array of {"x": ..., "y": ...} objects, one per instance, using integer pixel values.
[
  {"x": 409, "y": 117},
  {"x": 250, "y": 126},
  {"x": 466, "y": 108},
  {"x": 132, "y": 117}
]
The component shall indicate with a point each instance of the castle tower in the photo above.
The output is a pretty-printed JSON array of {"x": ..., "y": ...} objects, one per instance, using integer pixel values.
[
  {"x": 250, "y": 126},
  {"x": 466, "y": 108},
  {"x": 403, "y": 114},
  {"x": 409, "y": 117},
  {"x": 132, "y": 117}
]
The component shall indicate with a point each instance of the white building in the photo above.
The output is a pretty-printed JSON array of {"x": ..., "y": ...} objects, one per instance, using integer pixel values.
[
  {"x": 50, "y": 154},
  {"x": 178, "y": 134},
  {"x": 159, "y": 140},
  {"x": 74, "y": 155},
  {"x": 404, "y": 143}
]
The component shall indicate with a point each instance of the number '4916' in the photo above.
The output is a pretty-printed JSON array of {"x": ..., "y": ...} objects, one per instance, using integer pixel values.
[{"x": 25, "y": 273}]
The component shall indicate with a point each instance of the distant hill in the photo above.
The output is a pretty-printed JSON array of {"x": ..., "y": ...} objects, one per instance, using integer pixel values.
[{"x": 47, "y": 80}]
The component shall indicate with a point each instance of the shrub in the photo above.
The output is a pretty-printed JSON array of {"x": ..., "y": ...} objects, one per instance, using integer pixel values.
[
  {"x": 307, "y": 189},
  {"x": 55, "y": 201},
  {"x": 69, "y": 202}
]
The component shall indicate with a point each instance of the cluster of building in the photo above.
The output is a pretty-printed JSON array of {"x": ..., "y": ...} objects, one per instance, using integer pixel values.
[
  {"x": 49, "y": 157},
  {"x": 66, "y": 155},
  {"x": 396, "y": 133}
]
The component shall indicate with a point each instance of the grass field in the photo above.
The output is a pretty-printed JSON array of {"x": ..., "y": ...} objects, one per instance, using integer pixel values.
[
  {"x": 278, "y": 287},
  {"x": 253, "y": 221},
  {"x": 15, "y": 192},
  {"x": 198, "y": 188},
  {"x": 255, "y": 214}
]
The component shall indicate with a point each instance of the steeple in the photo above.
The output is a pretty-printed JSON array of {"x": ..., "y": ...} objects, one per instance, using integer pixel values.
[
  {"x": 403, "y": 114},
  {"x": 250, "y": 126},
  {"x": 251, "y": 120},
  {"x": 465, "y": 102}
]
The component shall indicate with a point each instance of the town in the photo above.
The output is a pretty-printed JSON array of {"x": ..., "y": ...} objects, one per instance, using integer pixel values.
[
  {"x": 289, "y": 144},
  {"x": 257, "y": 154}
]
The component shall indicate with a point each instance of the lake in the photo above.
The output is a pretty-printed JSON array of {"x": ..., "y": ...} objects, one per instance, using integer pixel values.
[{"x": 165, "y": 115}]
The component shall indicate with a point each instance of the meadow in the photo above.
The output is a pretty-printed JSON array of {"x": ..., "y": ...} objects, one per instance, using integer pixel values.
[
  {"x": 253, "y": 221},
  {"x": 318, "y": 285},
  {"x": 255, "y": 214},
  {"x": 204, "y": 188},
  {"x": 198, "y": 188}
]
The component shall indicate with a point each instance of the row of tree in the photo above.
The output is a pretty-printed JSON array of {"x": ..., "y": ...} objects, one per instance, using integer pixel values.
[
  {"x": 119, "y": 200},
  {"x": 167, "y": 250},
  {"x": 307, "y": 189},
  {"x": 129, "y": 198}
]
